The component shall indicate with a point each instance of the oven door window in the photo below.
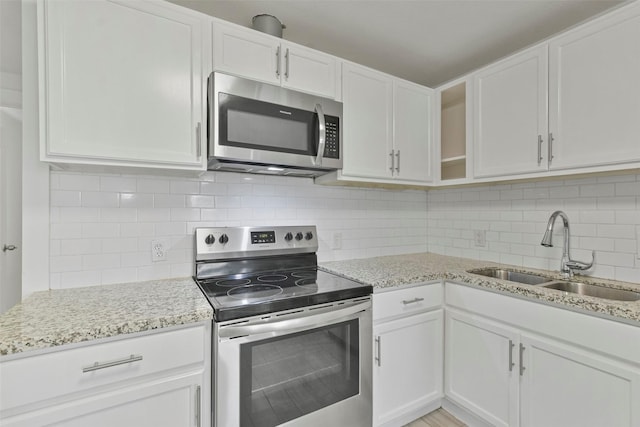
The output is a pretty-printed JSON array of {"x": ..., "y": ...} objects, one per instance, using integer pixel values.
[
  {"x": 289, "y": 376},
  {"x": 260, "y": 125}
]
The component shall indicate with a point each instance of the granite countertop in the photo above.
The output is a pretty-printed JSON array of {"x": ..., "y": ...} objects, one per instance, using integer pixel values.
[
  {"x": 52, "y": 318},
  {"x": 401, "y": 270}
]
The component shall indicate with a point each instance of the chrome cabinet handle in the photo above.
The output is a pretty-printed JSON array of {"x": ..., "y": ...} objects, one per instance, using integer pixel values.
[
  {"x": 511, "y": 364},
  {"x": 392, "y": 161},
  {"x": 412, "y": 301},
  {"x": 322, "y": 135},
  {"x": 522, "y": 368},
  {"x": 378, "y": 352},
  {"x": 550, "y": 148},
  {"x": 398, "y": 162},
  {"x": 286, "y": 65},
  {"x": 98, "y": 365},
  {"x": 6, "y": 248},
  {"x": 199, "y": 139},
  {"x": 539, "y": 149},
  {"x": 278, "y": 62},
  {"x": 198, "y": 407}
]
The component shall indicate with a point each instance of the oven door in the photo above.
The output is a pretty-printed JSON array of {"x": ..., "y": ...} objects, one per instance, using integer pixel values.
[{"x": 309, "y": 367}]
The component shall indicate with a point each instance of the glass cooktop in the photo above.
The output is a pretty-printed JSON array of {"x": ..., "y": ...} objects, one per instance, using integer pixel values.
[{"x": 242, "y": 295}]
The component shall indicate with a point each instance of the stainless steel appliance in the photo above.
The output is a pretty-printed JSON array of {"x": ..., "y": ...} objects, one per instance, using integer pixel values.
[
  {"x": 261, "y": 128},
  {"x": 292, "y": 344}
]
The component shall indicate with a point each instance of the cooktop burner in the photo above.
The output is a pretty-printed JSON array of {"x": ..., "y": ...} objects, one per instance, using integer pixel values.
[{"x": 247, "y": 271}]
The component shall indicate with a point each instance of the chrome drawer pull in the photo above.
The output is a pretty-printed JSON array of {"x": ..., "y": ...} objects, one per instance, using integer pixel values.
[
  {"x": 405, "y": 302},
  {"x": 98, "y": 365}
]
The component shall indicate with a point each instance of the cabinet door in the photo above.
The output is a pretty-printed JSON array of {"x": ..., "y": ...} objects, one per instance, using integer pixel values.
[
  {"x": 594, "y": 92},
  {"x": 167, "y": 403},
  {"x": 563, "y": 386},
  {"x": 121, "y": 82},
  {"x": 510, "y": 110},
  {"x": 412, "y": 132},
  {"x": 481, "y": 373},
  {"x": 246, "y": 53},
  {"x": 407, "y": 371},
  {"x": 367, "y": 114},
  {"x": 308, "y": 71}
]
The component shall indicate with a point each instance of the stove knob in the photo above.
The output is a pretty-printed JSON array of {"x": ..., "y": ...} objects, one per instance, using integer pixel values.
[
  {"x": 298, "y": 236},
  {"x": 223, "y": 239},
  {"x": 308, "y": 236},
  {"x": 288, "y": 237},
  {"x": 210, "y": 239}
]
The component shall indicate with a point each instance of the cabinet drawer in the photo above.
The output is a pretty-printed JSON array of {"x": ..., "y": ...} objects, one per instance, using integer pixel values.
[
  {"x": 407, "y": 301},
  {"x": 37, "y": 378}
]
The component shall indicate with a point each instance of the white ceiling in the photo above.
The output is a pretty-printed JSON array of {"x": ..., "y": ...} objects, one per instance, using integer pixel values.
[{"x": 426, "y": 41}]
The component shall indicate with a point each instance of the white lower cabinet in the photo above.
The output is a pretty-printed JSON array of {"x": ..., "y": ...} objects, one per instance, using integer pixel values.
[
  {"x": 150, "y": 380},
  {"x": 407, "y": 366},
  {"x": 479, "y": 367},
  {"x": 513, "y": 362}
]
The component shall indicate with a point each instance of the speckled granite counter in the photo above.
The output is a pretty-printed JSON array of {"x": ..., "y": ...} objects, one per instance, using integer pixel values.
[
  {"x": 400, "y": 270},
  {"x": 52, "y": 318}
]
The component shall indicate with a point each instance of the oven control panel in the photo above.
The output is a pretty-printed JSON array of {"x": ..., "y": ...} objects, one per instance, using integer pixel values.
[{"x": 241, "y": 242}]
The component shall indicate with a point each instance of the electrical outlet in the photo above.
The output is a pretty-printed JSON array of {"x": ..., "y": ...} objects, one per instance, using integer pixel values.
[
  {"x": 480, "y": 238},
  {"x": 159, "y": 250},
  {"x": 337, "y": 240}
]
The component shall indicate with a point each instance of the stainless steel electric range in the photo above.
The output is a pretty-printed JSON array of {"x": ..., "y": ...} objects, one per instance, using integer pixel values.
[{"x": 292, "y": 344}]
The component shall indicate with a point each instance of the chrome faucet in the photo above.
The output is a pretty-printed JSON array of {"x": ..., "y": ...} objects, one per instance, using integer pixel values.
[{"x": 567, "y": 265}]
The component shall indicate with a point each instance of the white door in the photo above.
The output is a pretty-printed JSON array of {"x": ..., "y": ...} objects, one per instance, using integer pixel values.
[
  {"x": 123, "y": 82},
  {"x": 412, "y": 131},
  {"x": 563, "y": 387},
  {"x": 510, "y": 111},
  {"x": 10, "y": 207},
  {"x": 481, "y": 370},
  {"x": 594, "y": 92},
  {"x": 367, "y": 115},
  {"x": 246, "y": 53},
  {"x": 308, "y": 70},
  {"x": 407, "y": 372}
]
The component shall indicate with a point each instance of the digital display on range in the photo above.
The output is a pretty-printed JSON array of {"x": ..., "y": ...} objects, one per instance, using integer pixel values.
[{"x": 263, "y": 237}]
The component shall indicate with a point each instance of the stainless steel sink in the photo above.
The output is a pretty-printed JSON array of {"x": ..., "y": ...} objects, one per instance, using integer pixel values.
[
  {"x": 510, "y": 275},
  {"x": 594, "y": 291}
]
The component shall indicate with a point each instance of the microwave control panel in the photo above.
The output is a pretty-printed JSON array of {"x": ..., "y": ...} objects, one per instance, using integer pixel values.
[{"x": 332, "y": 141}]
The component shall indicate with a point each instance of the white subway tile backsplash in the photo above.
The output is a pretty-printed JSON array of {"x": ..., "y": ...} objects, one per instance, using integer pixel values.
[
  {"x": 603, "y": 213},
  {"x": 118, "y": 216},
  {"x": 65, "y": 198},
  {"x": 97, "y": 199},
  {"x": 108, "y": 232},
  {"x": 153, "y": 186},
  {"x": 118, "y": 184}
]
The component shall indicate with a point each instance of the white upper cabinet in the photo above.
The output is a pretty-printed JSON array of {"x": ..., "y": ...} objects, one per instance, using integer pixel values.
[
  {"x": 412, "y": 135},
  {"x": 510, "y": 115},
  {"x": 594, "y": 92},
  {"x": 122, "y": 83},
  {"x": 249, "y": 53},
  {"x": 387, "y": 130},
  {"x": 367, "y": 114}
]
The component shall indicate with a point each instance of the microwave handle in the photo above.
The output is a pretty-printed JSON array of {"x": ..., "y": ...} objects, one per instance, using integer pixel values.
[{"x": 322, "y": 135}]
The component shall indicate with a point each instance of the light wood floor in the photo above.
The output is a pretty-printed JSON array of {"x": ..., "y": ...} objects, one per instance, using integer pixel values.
[{"x": 437, "y": 418}]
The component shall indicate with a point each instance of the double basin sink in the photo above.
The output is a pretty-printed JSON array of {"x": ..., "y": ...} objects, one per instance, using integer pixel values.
[{"x": 598, "y": 291}]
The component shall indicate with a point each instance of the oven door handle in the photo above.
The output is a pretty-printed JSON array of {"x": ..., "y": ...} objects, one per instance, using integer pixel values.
[{"x": 304, "y": 320}]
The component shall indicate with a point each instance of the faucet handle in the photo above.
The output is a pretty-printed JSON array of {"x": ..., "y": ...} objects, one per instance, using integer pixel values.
[{"x": 579, "y": 265}]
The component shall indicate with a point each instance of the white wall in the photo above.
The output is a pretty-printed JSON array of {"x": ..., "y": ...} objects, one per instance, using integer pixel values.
[
  {"x": 604, "y": 214},
  {"x": 102, "y": 224}
]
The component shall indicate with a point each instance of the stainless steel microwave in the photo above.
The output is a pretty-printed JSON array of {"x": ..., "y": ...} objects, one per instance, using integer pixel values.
[{"x": 262, "y": 128}]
